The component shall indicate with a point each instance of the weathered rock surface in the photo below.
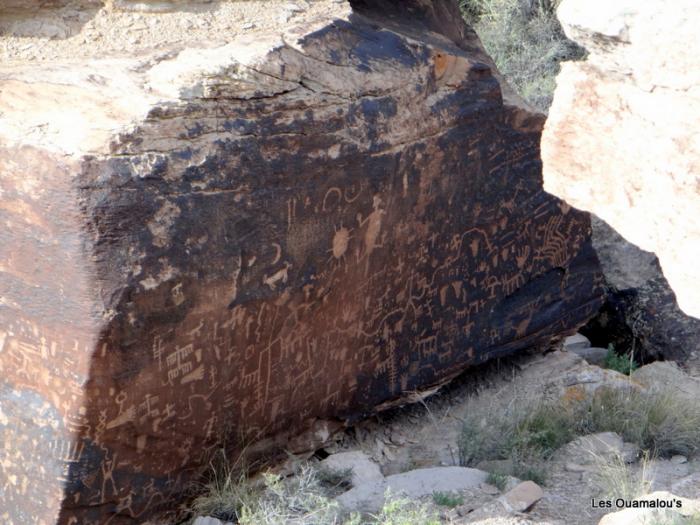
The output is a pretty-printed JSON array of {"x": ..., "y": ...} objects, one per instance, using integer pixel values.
[
  {"x": 362, "y": 468},
  {"x": 418, "y": 483},
  {"x": 621, "y": 139},
  {"x": 522, "y": 497},
  {"x": 668, "y": 508},
  {"x": 258, "y": 239},
  {"x": 667, "y": 376}
]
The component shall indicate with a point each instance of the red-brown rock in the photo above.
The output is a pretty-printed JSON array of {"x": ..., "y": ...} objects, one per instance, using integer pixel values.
[{"x": 256, "y": 239}]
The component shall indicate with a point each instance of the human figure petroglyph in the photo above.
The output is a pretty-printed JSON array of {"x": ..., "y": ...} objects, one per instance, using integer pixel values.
[{"x": 374, "y": 223}]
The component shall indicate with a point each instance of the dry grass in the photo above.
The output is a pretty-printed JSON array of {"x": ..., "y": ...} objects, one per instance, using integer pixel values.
[
  {"x": 526, "y": 41},
  {"x": 659, "y": 422},
  {"x": 304, "y": 498},
  {"x": 526, "y": 431},
  {"x": 618, "y": 479}
]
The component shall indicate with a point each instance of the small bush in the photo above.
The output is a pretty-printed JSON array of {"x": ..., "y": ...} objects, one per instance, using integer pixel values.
[
  {"x": 299, "y": 499},
  {"x": 618, "y": 479},
  {"x": 447, "y": 499},
  {"x": 498, "y": 480},
  {"x": 543, "y": 431},
  {"x": 403, "y": 511},
  {"x": 526, "y": 432},
  {"x": 526, "y": 41},
  {"x": 226, "y": 492},
  {"x": 335, "y": 480},
  {"x": 660, "y": 422},
  {"x": 623, "y": 363}
]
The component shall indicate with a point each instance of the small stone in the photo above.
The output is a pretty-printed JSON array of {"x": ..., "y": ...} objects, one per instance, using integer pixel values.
[
  {"x": 522, "y": 497},
  {"x": 679, "y": 460},
  {"x": 575, "y": 342},
  {"x": 208, "y": 521},
  {"x": 248, "y": 25},
  {"x": 593, "y": 355}
]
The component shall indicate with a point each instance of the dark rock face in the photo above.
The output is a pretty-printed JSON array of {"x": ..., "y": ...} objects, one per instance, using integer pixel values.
[
  {"x": 640, "y": 313},
  {"x": 286, "y": 246}
]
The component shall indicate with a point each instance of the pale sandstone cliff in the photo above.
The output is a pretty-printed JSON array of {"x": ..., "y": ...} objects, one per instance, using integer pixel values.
[{"x": 623, "y": 135}]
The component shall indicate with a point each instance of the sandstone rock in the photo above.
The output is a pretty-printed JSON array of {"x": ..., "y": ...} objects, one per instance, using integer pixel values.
[
  {"x": 602, "y": 443},
  {"x": 687, "y": 486},
  {"x": 576, "y": 342},
  {"x": 209, "y": 521},
  {"x": 247, "y": 239},
  {"x": 666, "y": 375},
  {"x": 364, "y": 470},
  {"x": 425, "y": 481},
  {"x": 594, "y": 448},
  {"x": 644, "y": 516},
  {"x": 663, "y": 474},
  {"x": 593, "y": 355},
  {"x": 621, "y": 138},
  {"x": 369, "y": 496},
  {"x": 522, "y": 497}
]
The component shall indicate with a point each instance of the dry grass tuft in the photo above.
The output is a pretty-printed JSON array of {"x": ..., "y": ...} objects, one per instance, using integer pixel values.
[
  {"x": 523, "y": 432},
  {"x": 526, "y": 41}
]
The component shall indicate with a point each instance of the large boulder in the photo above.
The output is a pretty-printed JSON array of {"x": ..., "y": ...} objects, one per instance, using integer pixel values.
[
  {"x": 622, "y": 135},
  {"x": 249, "y": 238}
]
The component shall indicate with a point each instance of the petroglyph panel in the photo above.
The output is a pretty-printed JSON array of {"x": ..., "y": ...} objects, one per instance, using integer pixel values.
[{"x": 241, "y": 268}]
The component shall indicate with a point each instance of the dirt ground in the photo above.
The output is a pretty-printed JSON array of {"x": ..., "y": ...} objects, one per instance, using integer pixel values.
[
  {"x": 425, "y": 434},
  {"x": 88, "y": 32}
]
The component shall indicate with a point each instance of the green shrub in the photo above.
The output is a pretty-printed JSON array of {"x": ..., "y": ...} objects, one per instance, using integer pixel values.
[
  {"x": 403, "y": 511},
  {"x": 541, "y": 432},
  {"x": 526, "y": 42},
  {"x": 623, "y": 363},
  {"x": 498, "y": 480},
  {"x": 447, "y": 499}
]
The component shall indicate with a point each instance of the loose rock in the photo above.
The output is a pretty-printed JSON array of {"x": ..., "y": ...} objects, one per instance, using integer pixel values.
[
  {"x": 363, "y": 469},
  {"x": 522, "y": 497}
]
